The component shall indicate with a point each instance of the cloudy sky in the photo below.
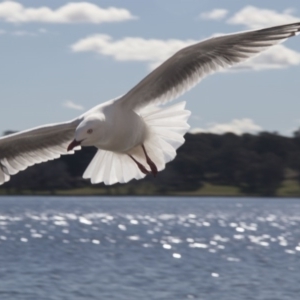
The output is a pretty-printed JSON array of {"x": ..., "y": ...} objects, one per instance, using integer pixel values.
[{"x": 59, "y": 58}]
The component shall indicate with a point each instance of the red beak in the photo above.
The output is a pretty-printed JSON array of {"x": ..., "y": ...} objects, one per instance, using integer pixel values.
[{"x": 73, "y": 145}]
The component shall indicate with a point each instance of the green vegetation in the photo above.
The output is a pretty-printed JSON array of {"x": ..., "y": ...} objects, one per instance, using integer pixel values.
[
  {"x": 206, "y": 165},
  {"x": 289, "y": 188}
]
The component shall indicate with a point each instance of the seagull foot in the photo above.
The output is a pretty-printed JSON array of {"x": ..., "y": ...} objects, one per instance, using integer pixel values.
[
  {"x": 150, "y": 163},
  {"x": 140, "y": 166},
  {"x": 152, "y": 167}
]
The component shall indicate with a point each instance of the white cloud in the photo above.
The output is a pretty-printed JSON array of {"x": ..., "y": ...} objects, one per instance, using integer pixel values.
[
  {"x": 294, "y": 128},
  {"x": 254, "y": 17},
  {"x": 154, "y": 52},
  {"x": 237, "y": 126},
  {"x": 277, "y": 57},
  {"x": 23, "y": 33},
  {"x": 42, "y": 30},
  {"x": 72, "y": 105},
  {"x": 215, "y": 14},
  {"x": 80, "y": 12}
]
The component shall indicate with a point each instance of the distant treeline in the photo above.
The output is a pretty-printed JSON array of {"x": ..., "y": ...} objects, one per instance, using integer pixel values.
[{"x": 255, "y": 164}]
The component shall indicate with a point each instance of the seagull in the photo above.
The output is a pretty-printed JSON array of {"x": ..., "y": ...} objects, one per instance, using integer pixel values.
[{"x": 136, "y": 134}]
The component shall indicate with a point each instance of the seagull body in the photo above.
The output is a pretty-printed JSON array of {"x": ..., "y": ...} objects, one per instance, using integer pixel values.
[
  {"x": 135, "y": 136},
  {"x": 108, "y": 131}
]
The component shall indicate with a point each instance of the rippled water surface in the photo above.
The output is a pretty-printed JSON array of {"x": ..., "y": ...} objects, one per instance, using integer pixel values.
[{"x": 149, "y": 248}]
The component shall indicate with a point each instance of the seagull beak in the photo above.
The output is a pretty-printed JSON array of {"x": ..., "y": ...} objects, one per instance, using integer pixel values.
[{"x": 73, "y": 144}]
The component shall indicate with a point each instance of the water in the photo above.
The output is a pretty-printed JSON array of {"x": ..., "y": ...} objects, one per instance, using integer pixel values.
[{"x": 149, "y": 248}]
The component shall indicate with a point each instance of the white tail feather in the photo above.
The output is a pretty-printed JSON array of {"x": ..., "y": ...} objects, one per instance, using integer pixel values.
[{"x": 166, "y": 125}]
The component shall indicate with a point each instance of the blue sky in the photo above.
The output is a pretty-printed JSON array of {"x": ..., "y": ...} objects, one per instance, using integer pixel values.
[{"x": 62, "y": 59}]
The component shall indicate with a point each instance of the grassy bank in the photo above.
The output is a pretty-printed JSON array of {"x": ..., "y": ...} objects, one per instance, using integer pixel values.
[{"x": 288, "y": 188}]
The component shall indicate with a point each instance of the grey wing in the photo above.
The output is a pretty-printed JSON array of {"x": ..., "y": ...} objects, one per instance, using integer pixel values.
[
  {"x": 21, "y": 150},
  {"x": 189, "y": 65}
]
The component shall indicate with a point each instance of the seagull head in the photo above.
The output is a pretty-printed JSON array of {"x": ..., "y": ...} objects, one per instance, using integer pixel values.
[{"x": 88, "y": 132}]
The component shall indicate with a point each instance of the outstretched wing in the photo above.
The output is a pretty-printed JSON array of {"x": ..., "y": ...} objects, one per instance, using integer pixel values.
[
  {"x": 188, "y": 66},
  {"x": 23, "y": 149}
]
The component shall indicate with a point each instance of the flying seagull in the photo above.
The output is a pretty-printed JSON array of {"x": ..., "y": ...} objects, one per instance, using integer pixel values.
[{"x": 134, "y": 135}]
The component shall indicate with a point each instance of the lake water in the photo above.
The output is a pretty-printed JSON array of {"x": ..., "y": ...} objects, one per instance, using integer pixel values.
[{"x": 149, "y": 248}]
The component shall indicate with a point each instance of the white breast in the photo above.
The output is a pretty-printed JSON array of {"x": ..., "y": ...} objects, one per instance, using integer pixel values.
[{"x": 124, "y": 130}]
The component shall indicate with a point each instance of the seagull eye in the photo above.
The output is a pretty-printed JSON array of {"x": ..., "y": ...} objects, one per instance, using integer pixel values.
[{"x": 90, "y": 131}]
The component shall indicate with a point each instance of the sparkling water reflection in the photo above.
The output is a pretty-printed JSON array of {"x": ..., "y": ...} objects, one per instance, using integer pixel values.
[{"x": 149, "y": 248}]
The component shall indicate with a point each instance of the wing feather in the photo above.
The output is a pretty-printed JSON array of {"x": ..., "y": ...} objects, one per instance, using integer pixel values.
[
  {"x": 189, "y": 65},
  {"x": 24, "y": 149}
]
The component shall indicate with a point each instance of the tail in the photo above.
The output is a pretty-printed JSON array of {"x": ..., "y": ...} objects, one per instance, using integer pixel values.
[{"x": 167, "y": 126}]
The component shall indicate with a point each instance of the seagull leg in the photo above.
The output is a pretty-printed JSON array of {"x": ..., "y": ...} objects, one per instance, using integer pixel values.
[
  {"x": 150, "y": 162},
  {"x": 141, "y": 167}
]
